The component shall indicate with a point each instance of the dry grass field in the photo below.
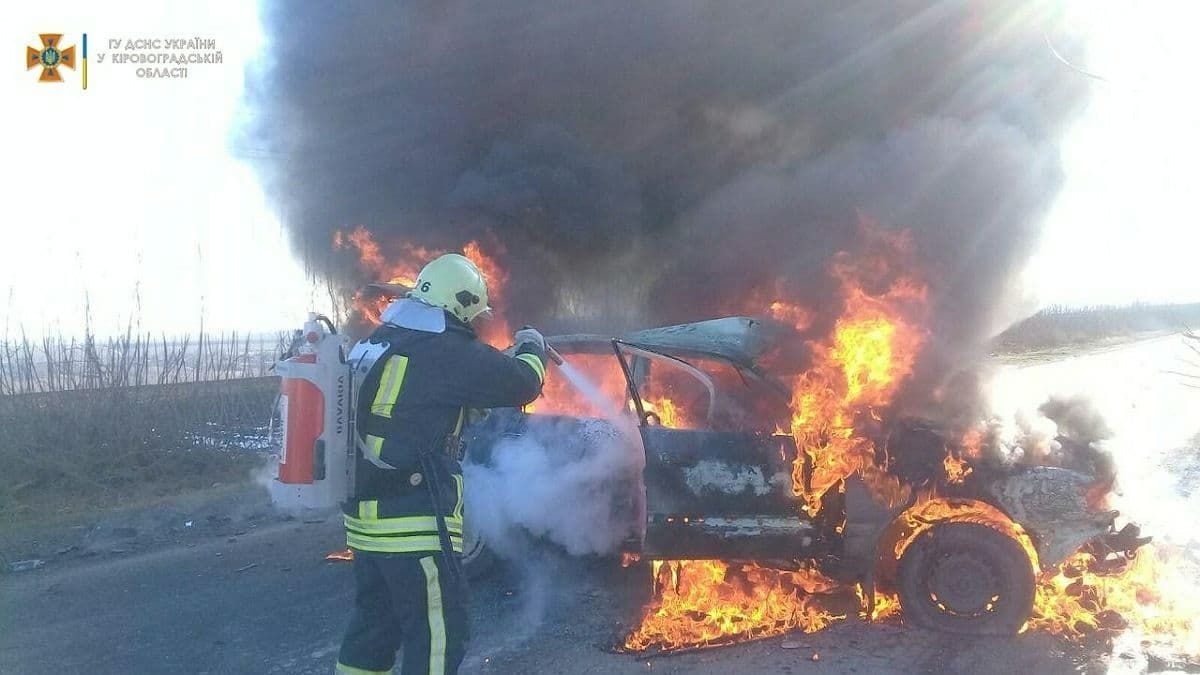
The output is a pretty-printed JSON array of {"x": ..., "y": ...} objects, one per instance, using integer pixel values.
[
  {"x": 1067, "y": 327},
  {"x": 88, "y": 425}
]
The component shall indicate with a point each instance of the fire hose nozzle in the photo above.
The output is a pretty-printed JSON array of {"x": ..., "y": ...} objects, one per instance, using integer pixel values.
[{"x": 551, "y": 352}]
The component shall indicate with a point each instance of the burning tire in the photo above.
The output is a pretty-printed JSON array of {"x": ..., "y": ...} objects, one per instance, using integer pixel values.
[{"x": 966, "y": 578}]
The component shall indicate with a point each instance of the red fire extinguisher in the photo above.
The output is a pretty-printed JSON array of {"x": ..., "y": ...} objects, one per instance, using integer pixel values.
[
  {"x": 302, "y": 413},
  {"x": 313, "y": 397}
]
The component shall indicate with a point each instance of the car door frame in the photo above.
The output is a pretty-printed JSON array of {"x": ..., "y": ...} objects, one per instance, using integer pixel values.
[{"x": 780, "y": 531}]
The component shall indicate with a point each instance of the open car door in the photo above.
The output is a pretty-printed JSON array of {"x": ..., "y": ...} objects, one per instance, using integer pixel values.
[{"x": 711, "y": 492}]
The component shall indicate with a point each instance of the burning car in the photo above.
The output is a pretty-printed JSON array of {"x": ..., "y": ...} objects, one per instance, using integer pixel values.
[{"x": 727, "y": 485}]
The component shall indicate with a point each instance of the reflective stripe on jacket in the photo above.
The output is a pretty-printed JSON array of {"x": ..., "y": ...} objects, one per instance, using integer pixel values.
[{"x": 377, "y": 527}]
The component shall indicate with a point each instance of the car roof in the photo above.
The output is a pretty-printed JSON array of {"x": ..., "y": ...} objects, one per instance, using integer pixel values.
[{"x": 739, "y": 339}]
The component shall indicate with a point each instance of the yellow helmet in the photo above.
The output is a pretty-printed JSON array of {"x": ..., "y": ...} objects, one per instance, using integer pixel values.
[{"x": 455, "y": 284}]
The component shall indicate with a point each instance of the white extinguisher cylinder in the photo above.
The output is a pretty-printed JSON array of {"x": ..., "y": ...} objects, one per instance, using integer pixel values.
[{"x": 313, "y": 409}]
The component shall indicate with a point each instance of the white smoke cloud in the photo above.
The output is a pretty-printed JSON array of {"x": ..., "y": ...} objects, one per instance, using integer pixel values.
[{"x": 576, "y": 484}]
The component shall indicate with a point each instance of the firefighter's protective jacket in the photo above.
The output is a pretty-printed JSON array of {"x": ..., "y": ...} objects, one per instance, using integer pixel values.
[{"x": 411, "y": 407}]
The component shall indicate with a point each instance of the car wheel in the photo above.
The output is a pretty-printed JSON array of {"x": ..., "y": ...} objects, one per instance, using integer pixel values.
[
  {"x": 966, "y": 578},
  {"x": 477, "y": 559}
]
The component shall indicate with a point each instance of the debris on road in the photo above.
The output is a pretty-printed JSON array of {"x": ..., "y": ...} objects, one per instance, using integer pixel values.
[
  {"x": 345, "y": 556},
  {"x": 246, "y": 567},
  {"x": 26, "y": 565}
]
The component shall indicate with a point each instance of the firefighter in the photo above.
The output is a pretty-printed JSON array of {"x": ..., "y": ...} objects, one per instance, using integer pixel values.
[{"x": 404, "y": 520}]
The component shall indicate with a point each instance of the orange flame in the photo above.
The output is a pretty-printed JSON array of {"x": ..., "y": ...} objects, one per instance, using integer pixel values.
[
  {"x": 710, "y": 602},
  {"x": 930, "y": 510},
  {"x": 857, "y": 371},
  {"x": 404, "y": 266},
  {"x": 799, "y": 317},
  {"x": 669, "y": 414},
  {"x": 956, "y": 469},
  {"x": 344, "y": 555},
  {"x": 494, "y": 330},
  {"x": 887, "y": 605},
  {"x": 1153, "y": 596},
  {"x": 836, "y": 404},
  {"x": 560, "y": 397}
]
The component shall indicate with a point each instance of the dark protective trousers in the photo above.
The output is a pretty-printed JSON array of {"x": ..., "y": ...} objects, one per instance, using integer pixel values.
[{"x": 405, "y": 601}]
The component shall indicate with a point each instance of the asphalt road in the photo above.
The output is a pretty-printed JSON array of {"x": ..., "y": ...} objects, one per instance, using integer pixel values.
[{"x": 265, "y": 601}]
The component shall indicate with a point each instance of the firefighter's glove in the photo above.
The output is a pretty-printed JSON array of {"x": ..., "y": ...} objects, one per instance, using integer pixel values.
[{"x": 530, "y": 341}]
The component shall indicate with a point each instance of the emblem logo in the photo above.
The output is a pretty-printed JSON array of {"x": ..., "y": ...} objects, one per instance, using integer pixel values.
[{"x": 51, "y": 57}]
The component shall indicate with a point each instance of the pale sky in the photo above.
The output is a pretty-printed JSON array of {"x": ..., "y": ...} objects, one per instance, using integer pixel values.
[
  {"x": 132, "y": 186},
  {"x": 1126, "y": 226}
]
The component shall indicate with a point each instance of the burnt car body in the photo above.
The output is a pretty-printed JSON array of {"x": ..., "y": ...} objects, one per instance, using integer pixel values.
[{"x": 724, "y": 488}]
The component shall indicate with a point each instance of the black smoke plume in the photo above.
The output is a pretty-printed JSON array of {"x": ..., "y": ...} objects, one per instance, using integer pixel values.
[{"x": 653, "y": 162}]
